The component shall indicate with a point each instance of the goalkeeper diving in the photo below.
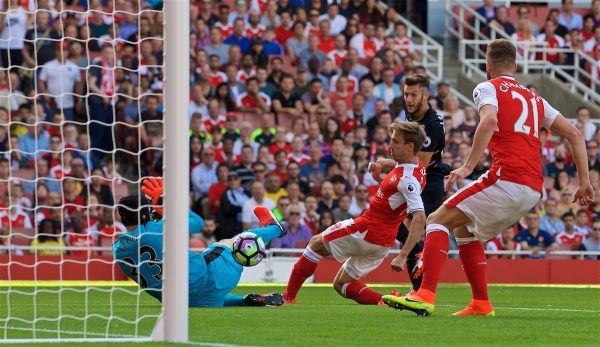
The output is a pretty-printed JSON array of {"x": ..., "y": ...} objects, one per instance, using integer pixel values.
[{"x": 212, "y": 273}]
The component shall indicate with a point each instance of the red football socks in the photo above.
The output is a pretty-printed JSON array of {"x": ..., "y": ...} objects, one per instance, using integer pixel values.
[
  {"x": 362, "y": 294},
  {"x": 434, "y": 257},
  {"x": 474, "y": 263},
  {"x": 303, "y": 269}
]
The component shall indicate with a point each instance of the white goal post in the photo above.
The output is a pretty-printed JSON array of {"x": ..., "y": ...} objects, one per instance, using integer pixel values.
[{"x": 68, "y": 292}]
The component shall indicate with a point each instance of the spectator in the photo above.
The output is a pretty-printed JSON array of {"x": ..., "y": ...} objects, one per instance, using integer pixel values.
[
  {"x": 298, "y": 234},
  {"x": 284, "y": 30},
  {"x": 387, "y": 89},
  {"x": 568, "y": 18},
  {"x": 325, "y": 221},
  {"x": 35, "y": 141},
  {"x": 269, "y": 8},
  {"x": 229, "y": 214},
  {"x": 342, "y": 212},
  {"x": 312, "y": 52},
  {"x": 314, "y": 171},
  {"x": 360, "y": 200},
  {"x": 488, "y": 10},
  {"x": 270, "y": 45},
  {"x": 285, "y": 102},
  {"x": 48, "y": 236},
  {"x": 583, "y": 115},
  {"x": 315, "y": 96},
  {"x": 503, "y": 242},
  {"x": 253, "y": 100},
  {"x": 222, "y": 23},
  {"x": 592, "y": 244},
  {"x": 550, "y": 221},
  {"x": 338, "y": 22},
  {"x": 581, "y": 223},
  {"x": 249, "y": 220},
  {"x": 365, "y": 43},
  {"x": 237, "y": 37},
  {"x": 204, "y": 175},
  {"x": 273, "y": 187},
  {"x": 592, "y": 154},
  {"x": 216, "y": 190},
  {"x": 283, "y": 202},
  {"x": 41, "y": 177},
  {"x": 77, "y": 236},
  {"x": 587, "y": 32},
  {"x": 327, "y": 202},
  {"x": 297, "y": 44},
  {"x": 569, "y": 236},
  {"x": 217, "y": 47},
  {"x": 501, "y": 21},
  {"x": 523, "y": 15},
  {"x": 207, "y": 235},
  {"x": 533, "y": 238},
  {"x": 552, "y": 41},
  {"x": 369, "y": 13},
  {"x": 14, "y": 28},
  {"x": 254, "y": 29},
  {"x": 293, "y": 171},
  {"x": 99, "y": 186},
  {"x": 239, "y": 13},
  {"x": 60, "y": 78},
  {"x": 102, "y": 87},
  {"x": 326, "y": 43}
]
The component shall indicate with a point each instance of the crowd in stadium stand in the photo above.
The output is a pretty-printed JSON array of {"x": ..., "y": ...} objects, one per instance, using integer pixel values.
[{"x": 289, "y": 101}]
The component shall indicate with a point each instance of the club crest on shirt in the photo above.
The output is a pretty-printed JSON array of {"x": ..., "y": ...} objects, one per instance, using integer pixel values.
[{"x": 393, "y": 179}]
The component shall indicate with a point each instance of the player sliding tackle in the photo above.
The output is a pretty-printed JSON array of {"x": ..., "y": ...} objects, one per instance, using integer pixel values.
[
  {"x": 212, "y": 273},
  {"x": 511, "y": 117},
  {"x": 363, "y": 242}
]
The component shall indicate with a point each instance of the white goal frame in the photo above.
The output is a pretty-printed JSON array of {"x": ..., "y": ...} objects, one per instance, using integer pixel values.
[{"x": 172, "y": 325}]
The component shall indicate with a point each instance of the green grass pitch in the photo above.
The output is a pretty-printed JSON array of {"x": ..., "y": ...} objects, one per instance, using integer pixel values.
[{"x": 526, "y": 316}]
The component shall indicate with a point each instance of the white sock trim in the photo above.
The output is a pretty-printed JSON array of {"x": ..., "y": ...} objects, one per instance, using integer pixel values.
[
  {"x": 344, "y": 286},
  {"x": 464, "y": 240},
  {"x": 311, "y": 255},
  {"x": 436, "y": 227}
]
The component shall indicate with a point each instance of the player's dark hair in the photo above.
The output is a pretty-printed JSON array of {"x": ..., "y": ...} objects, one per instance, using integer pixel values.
[
  {"x": 580, "y": 108},
  {"x": 133, "y": 206},
  {"x": 501, "y": 52},
  {"x": 417, "y": 80}
]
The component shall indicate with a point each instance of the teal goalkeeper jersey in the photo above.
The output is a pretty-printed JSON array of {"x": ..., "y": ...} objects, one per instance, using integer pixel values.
[{"x": 139, "y": 253}]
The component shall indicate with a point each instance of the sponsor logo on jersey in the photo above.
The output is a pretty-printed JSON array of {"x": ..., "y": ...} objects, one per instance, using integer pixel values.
[{"x": 427, "y": 141}]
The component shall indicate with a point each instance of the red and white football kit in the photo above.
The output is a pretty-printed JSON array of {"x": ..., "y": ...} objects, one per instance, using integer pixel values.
[
  {"x": 247, "y": 100},
  {"x": 553, "y": 42},
  {"x": 575, "y": 239},
  {"x": 252, "y": 32},
  {"x": 19, "y": 219},
  {"x": 225, "y": 29},
  {"x": 513, "y": 185},
  {"x": 337, "y": 56},
  {"x": 216, "y": 78},
  {"x": 209, "y": 123},
  {"x": 363, "y": 242},
  {"x": 242, "y": 76}
]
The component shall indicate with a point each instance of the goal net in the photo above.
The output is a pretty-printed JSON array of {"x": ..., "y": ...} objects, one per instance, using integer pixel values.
[{"x": 81, "y": 125}]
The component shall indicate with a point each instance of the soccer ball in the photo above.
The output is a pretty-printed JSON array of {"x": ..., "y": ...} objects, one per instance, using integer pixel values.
[{"x": 248, "y": 249}]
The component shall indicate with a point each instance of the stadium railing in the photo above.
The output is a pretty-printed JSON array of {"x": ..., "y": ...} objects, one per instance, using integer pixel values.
[
  {"x": 431, "y": 51},
  {"x": 573, "y": 74},
  {"x": 473, "y": 32}
]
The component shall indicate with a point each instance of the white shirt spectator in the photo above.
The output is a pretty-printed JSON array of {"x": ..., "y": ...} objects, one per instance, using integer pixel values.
[
  {"x": 202, "y": 178},
  {"x": 14, "y": 29},
  {"x": 248, "y": 216},
  {"x": 338, "y": 23},
  {"x": 590, "y": 45},
  {"x": 60, "y": 81}
]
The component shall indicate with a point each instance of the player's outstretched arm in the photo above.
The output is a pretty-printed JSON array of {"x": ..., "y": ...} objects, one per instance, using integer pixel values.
[
  {"x": 375, "y": 171},
  {"x": 414, "y": 235},
  {"x": 562, "y": 127},
  {"x": 483, "y": 135}
]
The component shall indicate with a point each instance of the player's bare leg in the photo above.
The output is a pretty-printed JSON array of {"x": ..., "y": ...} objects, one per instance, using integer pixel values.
[
  {"x": 305, "y": 267},
  {"x": 354, "y": 289},
  {"x": 474, "y": 263},
  {"x": 435, "y": 254}
]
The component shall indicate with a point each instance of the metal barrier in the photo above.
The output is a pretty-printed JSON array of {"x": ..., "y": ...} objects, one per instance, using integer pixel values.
[
  {"x": 467, "y": 21},
  {"x": 573, "y": 74},
  {"x": 431, "y": 51}
]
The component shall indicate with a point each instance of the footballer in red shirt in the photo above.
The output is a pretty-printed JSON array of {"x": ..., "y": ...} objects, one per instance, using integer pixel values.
[
  {"x": 511, "y": 118},
  {"x": 362, "y": 243}
]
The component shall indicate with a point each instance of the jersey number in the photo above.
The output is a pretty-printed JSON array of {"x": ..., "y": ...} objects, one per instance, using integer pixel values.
[
  {"x": 152, "y": 262},
  {"x": 520, "y": 126}
]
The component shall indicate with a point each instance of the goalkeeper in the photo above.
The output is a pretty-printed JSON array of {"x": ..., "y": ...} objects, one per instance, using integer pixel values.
[{"x": 212, "y": 273}]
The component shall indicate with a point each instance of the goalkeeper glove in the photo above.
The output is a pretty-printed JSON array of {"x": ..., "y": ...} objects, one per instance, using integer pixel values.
[
  {"x": 271, "y": 299},
  {"x": 153, "y": 188}
]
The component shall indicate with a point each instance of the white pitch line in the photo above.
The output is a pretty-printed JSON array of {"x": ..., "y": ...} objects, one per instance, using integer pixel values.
[
  {"x": 532, "y": 309},
  {"x": 69, "y": 332}
]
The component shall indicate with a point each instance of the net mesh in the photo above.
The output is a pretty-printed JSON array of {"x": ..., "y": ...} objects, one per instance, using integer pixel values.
[{"x": 81, "y": 127}]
